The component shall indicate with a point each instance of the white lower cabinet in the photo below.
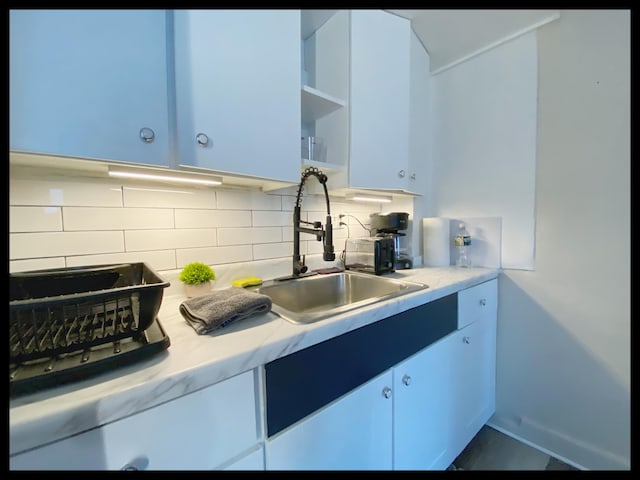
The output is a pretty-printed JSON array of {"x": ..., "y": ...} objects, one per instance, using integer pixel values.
[
  {"x": 352, "y": 433},
  {"x": 400, "y": 420},
  {"x": 473, "y": 383},
  {"x": 199, "y": 431},
  {"x": 418, "y": 415},
  {"x": 421, "y": 408}
]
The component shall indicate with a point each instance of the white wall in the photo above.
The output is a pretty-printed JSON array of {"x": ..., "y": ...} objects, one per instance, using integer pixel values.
[
  {"x": 563, "y": 375},
  {"x": 484, "y": 147}
]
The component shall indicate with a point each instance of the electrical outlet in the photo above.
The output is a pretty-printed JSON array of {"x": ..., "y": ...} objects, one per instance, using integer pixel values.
[{"x": 337, "y": 220}]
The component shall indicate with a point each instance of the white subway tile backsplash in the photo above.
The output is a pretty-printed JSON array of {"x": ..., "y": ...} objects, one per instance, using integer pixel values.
[
  {"x": 340, "y": 233},
  {"x": 158, "y": 259},
  {"x": 273, "y": 250},
  {"x": 35, "y": 219},
  {"x": 288, "y": 202},
  {"x": 271, "y": 219},
  {"x": 287, "y": 233},
  {"x": 168, "y": 197},
  {"x": 188, "y": 218},
  {"x": 92, "y": 218},
  {"x": 214, "y": 255},
  {"x": 247, "y": 200},
  {"x": 36, "y": 264},
  {"x": 314, "y": 203},
  {"x": 242, "y": 236},
  {"x": 233, "y": 200},
  {"x": 31, "y": 245},
  {"x": 265, "y": 201},
  {"x": 138, "y": 240},
  {"x": 313, "y": 246},
  {"x": 339, "y": 205},
  {"x": 64, "y": 192},
  {"x": 58, "y": 221}
]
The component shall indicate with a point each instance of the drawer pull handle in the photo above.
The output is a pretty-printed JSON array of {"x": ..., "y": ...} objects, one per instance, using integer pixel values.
[
  {"x": 147, "y": 135},
  {"x": 386, "y": 392},
  {"x": 483, "y": 301},
  {"x": 202, "y": 140}
]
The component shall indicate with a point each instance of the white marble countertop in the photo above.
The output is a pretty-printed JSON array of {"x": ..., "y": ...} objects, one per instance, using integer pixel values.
[{"x": 195, "y": 361}]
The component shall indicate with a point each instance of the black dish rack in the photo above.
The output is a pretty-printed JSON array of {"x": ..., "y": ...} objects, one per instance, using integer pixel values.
[{"x": 68, "y": 324}]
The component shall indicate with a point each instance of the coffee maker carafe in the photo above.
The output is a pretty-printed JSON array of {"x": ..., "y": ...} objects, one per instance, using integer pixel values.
[{"x": 391, "y": 225}]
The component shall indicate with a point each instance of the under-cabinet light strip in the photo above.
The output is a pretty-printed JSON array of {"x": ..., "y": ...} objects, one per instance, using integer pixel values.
[
  {"x": 168, "y": 178},
  {"x": 369, "y": 198}
]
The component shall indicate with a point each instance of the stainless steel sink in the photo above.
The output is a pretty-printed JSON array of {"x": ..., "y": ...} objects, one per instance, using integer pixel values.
[{"x": 312, "y": 298}]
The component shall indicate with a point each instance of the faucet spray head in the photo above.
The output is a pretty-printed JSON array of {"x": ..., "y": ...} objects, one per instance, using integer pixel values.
[{"x": 328, "y": 254}]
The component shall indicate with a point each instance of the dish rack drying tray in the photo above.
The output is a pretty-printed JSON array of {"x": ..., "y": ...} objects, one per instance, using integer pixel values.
[{"x": 66, "y": 322}]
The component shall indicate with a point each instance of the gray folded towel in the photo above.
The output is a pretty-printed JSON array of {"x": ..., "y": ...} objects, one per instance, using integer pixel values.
[{"x": 223, "y": 307}]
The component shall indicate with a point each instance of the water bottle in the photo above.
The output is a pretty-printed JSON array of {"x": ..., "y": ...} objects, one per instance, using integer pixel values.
[{"x": 462, "y": 240}]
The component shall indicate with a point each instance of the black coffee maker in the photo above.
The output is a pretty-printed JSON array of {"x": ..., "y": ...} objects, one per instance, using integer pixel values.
[{"x": 391, "y": 225}]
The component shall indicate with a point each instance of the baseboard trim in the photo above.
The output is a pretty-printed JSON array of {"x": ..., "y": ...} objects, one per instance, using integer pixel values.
[{"x": 537, "y": 447}]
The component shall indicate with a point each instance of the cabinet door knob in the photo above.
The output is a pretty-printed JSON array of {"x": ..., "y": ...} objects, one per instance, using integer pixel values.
[
  {"x": 466, "y": 339},
  {"x": 386, "y": 392},
  {"x": 413, "y": 176},
  {"x": 406, "y": 380},
  {"x": 147, "y": 135},
  {"x": 483, "y": 301},
  {"x": 202, "y": 140},
  {"x": 401, "y": 173},
  {"x": 138, "y": 463}
]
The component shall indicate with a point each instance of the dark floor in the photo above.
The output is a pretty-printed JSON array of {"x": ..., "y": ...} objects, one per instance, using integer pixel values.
[{"x": 493, "y": 450}]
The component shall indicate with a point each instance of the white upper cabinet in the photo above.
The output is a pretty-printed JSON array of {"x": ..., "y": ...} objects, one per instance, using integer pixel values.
[
  {"x": 89, "y": 84},
  {"x": 237, "y": 75},
  {"x": 379, "y": 100},
  {"x": 325, "y": 87},
  {"x": 363, "y": 60}
]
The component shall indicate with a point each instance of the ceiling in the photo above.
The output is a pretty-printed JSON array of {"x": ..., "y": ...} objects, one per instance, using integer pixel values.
[{"x": 452, "y": 36}]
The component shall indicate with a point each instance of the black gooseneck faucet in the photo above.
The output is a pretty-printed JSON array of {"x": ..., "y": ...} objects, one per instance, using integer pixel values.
[{"x": 322, "y": 234}]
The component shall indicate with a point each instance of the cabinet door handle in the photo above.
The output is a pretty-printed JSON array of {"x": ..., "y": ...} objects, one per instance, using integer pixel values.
[
  {"x": 147, "y": 135},
  {"x": 406, "y": 380},
  {"x": 483, "y": 301},
  {"x": 202, "y": 139},
  {"x": 401, "y": 173},
  {"x": 386, "y": 392},
  {"x": 466, "y": 339},
  {"x": 138, "y": 463},
  {"x": 413, "y": 176}
]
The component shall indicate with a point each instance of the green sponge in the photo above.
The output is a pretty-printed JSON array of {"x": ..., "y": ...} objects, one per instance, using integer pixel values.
[{"x": 246, "y": 282}]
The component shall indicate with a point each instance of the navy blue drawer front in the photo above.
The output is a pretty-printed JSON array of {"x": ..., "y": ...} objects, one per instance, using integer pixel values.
[{"x": 301, "y": 383}]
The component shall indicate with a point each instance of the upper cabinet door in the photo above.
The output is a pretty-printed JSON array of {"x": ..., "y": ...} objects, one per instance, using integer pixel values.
[
  {"x": 238, "y": 91},
  {"x": 379, "y": 100},
  {"x": 90, "y": 84}
]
